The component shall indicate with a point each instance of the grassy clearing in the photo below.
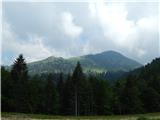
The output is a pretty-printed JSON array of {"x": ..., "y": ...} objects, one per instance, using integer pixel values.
[{"x": 21, "y": 116}]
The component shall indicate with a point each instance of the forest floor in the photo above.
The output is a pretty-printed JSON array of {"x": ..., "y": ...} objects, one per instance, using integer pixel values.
[{"x": 21, "y": 116}]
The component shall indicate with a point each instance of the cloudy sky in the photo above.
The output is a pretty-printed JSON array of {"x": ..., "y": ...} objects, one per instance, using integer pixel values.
[{"x": 67, "y": 29}]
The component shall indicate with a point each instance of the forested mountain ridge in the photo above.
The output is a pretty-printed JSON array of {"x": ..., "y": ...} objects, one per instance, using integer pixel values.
[
  {"x": 80, "y": 94},
  {"x": 139, "y": 91},
  {"x": 101, "y": 62},
  {"x": 148, "y": 70}
]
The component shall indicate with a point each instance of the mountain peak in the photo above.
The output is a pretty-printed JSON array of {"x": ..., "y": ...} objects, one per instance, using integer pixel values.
[
  {"x": 51, "y": 57},
  {"x": 111, "y": 52},
  {"x": 101, "y": 62}
]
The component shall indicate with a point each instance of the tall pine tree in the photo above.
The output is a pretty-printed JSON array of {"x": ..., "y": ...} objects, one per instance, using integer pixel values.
[
  {"x": 51, "y": 96},
  {"x": 68, "y": 103},
  {"x": 6, "y": 90},
  {"x": 60, "y": 88},
  {"x": 77, "y": 78},
  {"x": 130, "y": 97},
  {"x": 19, "y": 75}
]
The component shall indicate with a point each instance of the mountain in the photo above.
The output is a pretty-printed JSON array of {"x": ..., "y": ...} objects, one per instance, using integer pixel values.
[
  {"x": 148, "y": 71},
  {"x": 101, "y": 62}
]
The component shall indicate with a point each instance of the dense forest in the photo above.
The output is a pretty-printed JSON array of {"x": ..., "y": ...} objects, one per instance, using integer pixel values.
[{"x": 80, "y": 94}]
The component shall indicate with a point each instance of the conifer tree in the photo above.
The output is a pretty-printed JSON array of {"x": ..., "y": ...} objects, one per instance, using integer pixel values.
[
  {"x": 151, "y": 99},
  {"x": 68, "y": 103},
  {"x": 51, "y": 96},
  {"x": 6, "y": 90},
  {"x": 77, "y": 77},
  {"x": 130, "y": 97},
  {"x": 60, "y": 88},
  {"x": 19, "y": 75}
]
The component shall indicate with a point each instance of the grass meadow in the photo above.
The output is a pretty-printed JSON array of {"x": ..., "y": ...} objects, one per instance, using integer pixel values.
[{"x": 22, "y": 116}]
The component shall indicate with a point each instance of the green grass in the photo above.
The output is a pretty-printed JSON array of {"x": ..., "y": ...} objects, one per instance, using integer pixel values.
[{"x": 22, "y": 116}]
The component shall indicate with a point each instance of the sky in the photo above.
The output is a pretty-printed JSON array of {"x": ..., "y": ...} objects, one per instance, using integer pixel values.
[{"x": 68, "y": 29}]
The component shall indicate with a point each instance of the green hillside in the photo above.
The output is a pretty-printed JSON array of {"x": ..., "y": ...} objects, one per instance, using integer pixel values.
[{"x": 102, "y": 62}]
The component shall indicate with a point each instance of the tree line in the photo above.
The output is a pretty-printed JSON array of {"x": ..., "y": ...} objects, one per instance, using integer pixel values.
[{"x": 79, "y": 94}]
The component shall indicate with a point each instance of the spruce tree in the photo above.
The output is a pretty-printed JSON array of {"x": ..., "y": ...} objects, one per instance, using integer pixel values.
[
  {"x": 68, "y": 103},
  {"x": 60, "y": 88},
  {"x": 130, "y": 97},
  {"x": 51, "y": 97},
  {"x": 6, "y": 90},
  {"x": 19, "y": 75},
  {"x": 151, "y": 99},
  {"x": 117, "y": 92},
  {"x": 77, "y": 78}
]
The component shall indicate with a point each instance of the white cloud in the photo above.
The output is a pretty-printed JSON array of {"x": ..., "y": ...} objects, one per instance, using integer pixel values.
[
  {"x": 86, "y": 28},
  {"x": 92, "y": 8},
  {"x": 148, "y": 23},
  {"x": 69, "y": 27},
  {"x": 33, "y": 49},
  {"x": 141, "y": 52},
  {"x": 135, "y": 37},
  {"x": 113, "y": 20}
]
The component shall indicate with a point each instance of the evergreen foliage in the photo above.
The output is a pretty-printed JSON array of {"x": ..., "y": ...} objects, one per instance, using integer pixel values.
[{"x": 79, "y": 94}]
